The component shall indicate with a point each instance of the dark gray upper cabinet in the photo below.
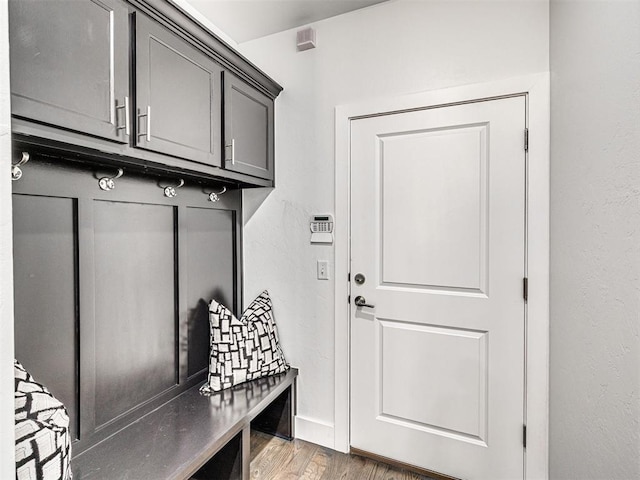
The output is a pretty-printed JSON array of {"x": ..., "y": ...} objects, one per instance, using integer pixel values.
[
  {"x": 138, "y": 83},
  {"x": 248, "y": 129},
  {"x": 178, "y": 89},
  {"x": 69, "y": 64}
]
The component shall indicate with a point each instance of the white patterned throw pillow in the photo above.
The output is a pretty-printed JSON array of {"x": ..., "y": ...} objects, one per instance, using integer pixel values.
[
  {"x": 242, "y": 349},
  {"x": 43, "y": 444}
]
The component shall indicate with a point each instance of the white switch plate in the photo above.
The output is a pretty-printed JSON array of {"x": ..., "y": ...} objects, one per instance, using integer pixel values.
[{"x": 323, "y": 270}]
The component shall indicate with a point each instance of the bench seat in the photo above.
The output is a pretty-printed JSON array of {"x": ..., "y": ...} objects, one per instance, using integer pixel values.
[{"x": 193, "y": 435}]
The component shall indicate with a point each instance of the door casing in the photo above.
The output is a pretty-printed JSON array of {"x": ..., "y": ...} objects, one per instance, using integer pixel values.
[{"x": 537, "y": 90}]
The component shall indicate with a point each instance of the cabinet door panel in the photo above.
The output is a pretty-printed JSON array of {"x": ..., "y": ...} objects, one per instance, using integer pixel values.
[
  {"x": 69, "y": 64},
  {"x": 248, "y": 129},
  {"x": 178, "y": 96}
]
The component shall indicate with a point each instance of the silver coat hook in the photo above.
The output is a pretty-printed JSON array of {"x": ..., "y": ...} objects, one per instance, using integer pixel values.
[
  {"x": 170, "y": 191},
  {"x": 107, "y": 183},
  {"x": 16, "y": 171},
  {"x": 215, "y": 196}
]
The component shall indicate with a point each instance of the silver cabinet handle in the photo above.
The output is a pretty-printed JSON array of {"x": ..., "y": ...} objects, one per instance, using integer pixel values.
[
  {"x": 360, "y": 301},
  {"x": 148, "y": 132},
  {"x": 127, "y": 121},
  {"x": 232, "y": 146},
  {"x": 127, "y": 118}
]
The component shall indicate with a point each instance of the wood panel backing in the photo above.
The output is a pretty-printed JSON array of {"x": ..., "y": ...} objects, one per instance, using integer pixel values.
[
  {"x": 210, "y": 238},
  {"x": 44, "y": 241},
  {"x": 107, "y": 284},
  {"x": 135, "y": 315}
]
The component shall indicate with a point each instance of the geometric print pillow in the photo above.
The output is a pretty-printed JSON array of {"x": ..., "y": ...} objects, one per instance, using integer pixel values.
[
  {"x": 43, "y": 444},
  {"x": 242, "y": 349}
]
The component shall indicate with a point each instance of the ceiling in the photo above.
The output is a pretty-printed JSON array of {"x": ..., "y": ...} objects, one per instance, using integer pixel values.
[{"x": 244, "y": 20}]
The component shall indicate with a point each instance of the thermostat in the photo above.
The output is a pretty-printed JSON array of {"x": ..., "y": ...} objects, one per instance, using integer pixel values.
[{"x": 321, "y": 229}]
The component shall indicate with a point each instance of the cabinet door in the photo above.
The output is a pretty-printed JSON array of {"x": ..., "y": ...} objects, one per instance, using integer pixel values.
[
  {"x": 69, "y": 64},
  {"x": 248, "y": 129},
  {"x": 178, "y": 108}
]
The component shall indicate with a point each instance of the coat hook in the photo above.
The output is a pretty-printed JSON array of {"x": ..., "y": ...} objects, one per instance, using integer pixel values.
[
  {"x": 170, "y": 192},
  {"x": 107, "y": 183},
  {"x": 215, "y": 196},
  {"x": 16, "y": 171}
]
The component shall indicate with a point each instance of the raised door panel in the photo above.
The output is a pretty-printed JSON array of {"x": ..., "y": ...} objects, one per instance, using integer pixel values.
[
  {"x": 248, "y": 120},
  {"x": 69, "y": 64},
  {"x": 178, "y": 109},
  {"x": 421, "y": 170},
  {"x": 135, "y": 312},
  {"x": 45, "y": 262}
]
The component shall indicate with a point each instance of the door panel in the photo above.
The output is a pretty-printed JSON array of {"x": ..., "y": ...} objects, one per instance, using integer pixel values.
[
  {"x": 72, "y": 77},
  {"x": 187, "y": 75},
  {"x": 248, "y": 129},
  {"x": 451, "y": 361},
  {"x": 437, "y": 229},
  {"x": 178, "y": 106},
  {"x": 455, "y": 175}
]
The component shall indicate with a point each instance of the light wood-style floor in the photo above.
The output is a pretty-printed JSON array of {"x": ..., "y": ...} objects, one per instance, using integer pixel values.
[{"x": 275, "y": 459}]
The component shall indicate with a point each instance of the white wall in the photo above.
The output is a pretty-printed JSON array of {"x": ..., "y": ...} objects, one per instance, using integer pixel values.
[
  {"x": 7, "y": 442},
  {"x": 595, "y": 240},
  {"x": 387, "y": 50},
  {"x": 188, "y": 7}
]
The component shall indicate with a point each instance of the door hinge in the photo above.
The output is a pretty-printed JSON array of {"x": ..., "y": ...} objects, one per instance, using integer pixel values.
[
  {"x": 349, "y": 299},
  {"x": 526, "y": 139},
  {"x": 349, "y": 277},
  {"x": 525, "y": 289},
  {"x": 524, "y": 436}
]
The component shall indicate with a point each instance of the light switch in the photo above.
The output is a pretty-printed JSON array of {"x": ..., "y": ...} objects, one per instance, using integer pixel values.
[{"x": 323, "y": 270}]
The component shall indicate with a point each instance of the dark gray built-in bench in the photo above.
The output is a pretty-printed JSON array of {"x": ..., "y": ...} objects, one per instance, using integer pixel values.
[
  {"x": 195, "y": 436},
  {"x": 111, "y": 316}
]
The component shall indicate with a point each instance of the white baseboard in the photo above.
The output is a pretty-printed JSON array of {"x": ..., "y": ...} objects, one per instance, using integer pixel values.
[{"x": 315, "y": 431}]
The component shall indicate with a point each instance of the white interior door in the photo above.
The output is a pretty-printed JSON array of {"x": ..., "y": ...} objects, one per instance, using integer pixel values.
[{"x": 438, "y": 234}]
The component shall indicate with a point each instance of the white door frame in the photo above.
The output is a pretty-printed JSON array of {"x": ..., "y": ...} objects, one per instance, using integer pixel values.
[{"x": 537, "y": 89}]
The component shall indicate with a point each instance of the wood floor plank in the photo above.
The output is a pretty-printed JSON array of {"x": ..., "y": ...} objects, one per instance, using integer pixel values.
[
  {"x": 266, "y": 460},
  {"x": 297, "y": 462},
  {"x": 316, "y": 466},
  {"x": 273, "y": 458}
]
